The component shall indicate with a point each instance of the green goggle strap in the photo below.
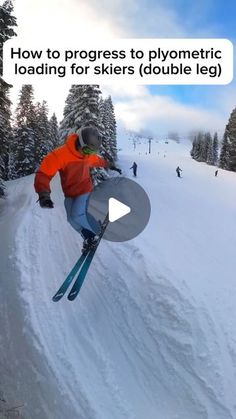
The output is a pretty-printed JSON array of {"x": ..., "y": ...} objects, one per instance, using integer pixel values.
[{"x": 87, "y": 150}]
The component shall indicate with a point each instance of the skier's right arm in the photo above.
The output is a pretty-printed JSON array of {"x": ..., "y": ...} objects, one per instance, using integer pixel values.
[{"x": 48, "y": 168}]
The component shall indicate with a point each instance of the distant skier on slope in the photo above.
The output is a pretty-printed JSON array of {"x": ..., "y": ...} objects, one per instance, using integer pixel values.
[
  {"x": 74, "y": 160},
  {"x": 216, "y": 173},
  {"x": 178, "y": 170},
  {"x": 134, "y": 167}
]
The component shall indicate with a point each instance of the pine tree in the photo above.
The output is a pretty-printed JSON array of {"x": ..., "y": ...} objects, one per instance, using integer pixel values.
[
  {"x": 2, "y": 187},
  {"x": 215, "y": 148},
  {"x": 210, "y": 153},
  {"x": 24, "y": 133},
  {"x": 203, "y": 147},
  {"x": 81, "y": 108},
  {"x": 111, "y": 127},
  {"x": 70, "y": 114},
  {"x": 193, "y": 147},
  {"x": 224, "y": 153},
  {"x": 43, "y": 134},
  {"x": 54, "y": 131},
  {"x": 231, "y": 132},
  {"x": 108, "y": 127},
  {"x": 102, "y": 118},
  {"x": 198, "y": 146},
  {"x": 12, "y": 170},
  {"x": 105, "y": 126},
  {"x": 88, "y": 111},
  {"x": 5, "y": 126},
  {"x": 228, "y": 149},
  {"x": 7, "y": 22}
]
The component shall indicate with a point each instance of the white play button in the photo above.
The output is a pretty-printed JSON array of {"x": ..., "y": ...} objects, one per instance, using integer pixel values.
[
  {"x": 117, "y": 210},
  {"x": 128, "y": 205}
]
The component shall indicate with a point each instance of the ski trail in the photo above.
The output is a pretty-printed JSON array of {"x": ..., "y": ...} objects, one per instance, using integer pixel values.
[
  {"x": 176, "y": 339},
  {"x": 142, "y": 339},
  {"x": 36, "y": 284}
]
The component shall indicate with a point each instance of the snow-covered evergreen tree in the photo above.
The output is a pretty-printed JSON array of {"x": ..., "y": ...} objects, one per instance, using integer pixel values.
[
  {"x": 110, "y": 127},
  {"x": 7, "y": 23},
  {"x": 2, "y": 186},
  {"x": 88, "y": 111},
  {"x": 71, "y": 117},
  {"x": 54, "y": 131},
  {"x": 204, "y": 145},
  {"x": 24, "y": 133},
  {"x": 5, "y": 126},
  {"x": 12, "y": 169},
  {"x": 81, "y": 108},
  {"x": 194, "y": 144},
  {"x": 102, "y": 118},
  {"x": 231, "y": 132},
  {"x": 224, "y": 153},
  {"x": 101, "y": 111},
  {"x": 202, "y": 150},
  {"x": 43, "y": 133},
  {"x": 197, "y": 151},
  {"x": 215, "y": 148},
  {"x": 25, "y": 111},
  {"x": 205, "y": 149},
  {"x": 210, "y": 153}
]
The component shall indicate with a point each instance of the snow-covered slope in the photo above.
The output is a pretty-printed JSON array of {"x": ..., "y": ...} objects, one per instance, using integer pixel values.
[{"x": 152, "y": 334}]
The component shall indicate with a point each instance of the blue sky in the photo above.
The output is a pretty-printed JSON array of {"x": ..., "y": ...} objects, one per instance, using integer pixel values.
[
  {"x": 219, "y": 19},
  {"x": 156, "y": 108}
]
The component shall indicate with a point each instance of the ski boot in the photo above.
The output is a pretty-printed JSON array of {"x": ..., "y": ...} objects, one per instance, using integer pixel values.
[{"x": 89, "y": 244}]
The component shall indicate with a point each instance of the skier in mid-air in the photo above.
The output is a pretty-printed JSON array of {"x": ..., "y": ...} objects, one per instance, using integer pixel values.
[
  {"x": 178, "y": 170},
  {"x": 74, "y": 160},
  {"x": 134, "y": 167}
]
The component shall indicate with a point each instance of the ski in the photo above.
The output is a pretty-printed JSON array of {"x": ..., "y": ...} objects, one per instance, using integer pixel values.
[
  {"x": 84, "y": 269},
  {"x": 64, "y": 287}
]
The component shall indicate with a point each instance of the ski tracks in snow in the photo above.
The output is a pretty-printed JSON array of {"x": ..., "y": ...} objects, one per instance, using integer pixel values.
[
  {"x": 168, "y": 334},
  {"x": 134, "y": 341}
]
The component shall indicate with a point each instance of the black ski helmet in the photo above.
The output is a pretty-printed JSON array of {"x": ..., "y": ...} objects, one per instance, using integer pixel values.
[{"x": 89, "y": 137}]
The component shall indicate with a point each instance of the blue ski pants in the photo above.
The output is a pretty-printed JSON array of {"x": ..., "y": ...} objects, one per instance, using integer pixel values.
[{"x": 79, "y": 218}]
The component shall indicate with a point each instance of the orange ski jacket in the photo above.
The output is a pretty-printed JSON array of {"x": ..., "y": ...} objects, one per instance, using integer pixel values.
[{"x": 73, "y": 166}]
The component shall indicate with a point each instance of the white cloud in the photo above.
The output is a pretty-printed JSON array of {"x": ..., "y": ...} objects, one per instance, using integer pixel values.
[
  {"x": 161, "y": 114},
  {"x": 62, "y": 19},
  {"x": 140, "y": 19},
  {"x": 122, "y": 92},
  {"x": 53, "y": 22},
  {"x": 136, "y": 107}
]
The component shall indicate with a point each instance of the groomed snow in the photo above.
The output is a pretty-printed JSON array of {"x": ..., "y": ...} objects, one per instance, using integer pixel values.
[{"x": 152, "y": 334}]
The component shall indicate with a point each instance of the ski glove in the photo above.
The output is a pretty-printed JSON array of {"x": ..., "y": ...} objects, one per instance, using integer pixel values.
[
  {"x": 116, "y": 169},
  {"x": 45, "y": 200}
]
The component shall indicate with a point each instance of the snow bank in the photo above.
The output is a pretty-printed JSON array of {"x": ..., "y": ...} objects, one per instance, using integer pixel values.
[{"x": 152, "y": 334}]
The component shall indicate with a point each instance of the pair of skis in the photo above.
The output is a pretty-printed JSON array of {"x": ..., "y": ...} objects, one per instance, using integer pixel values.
[{"x": 80, "y": 269}]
